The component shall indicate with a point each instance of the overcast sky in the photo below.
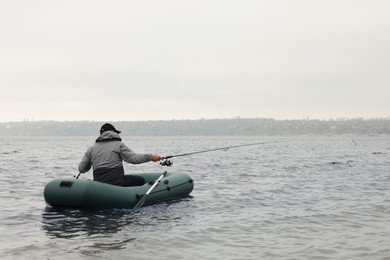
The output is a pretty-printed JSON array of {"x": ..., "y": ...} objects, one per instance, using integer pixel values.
[{"x": 165, "y": 59}]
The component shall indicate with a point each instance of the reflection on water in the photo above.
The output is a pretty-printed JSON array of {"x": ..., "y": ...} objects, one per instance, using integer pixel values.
[
  {"x": 102, "y": 230},
  {"x": 69, "y": 223},
  {"x": 99, "y": 226},
  {"x": 78, "y": 222}
]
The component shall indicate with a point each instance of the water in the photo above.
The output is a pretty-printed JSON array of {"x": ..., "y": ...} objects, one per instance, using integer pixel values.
[{"x": 304, "y": 198}]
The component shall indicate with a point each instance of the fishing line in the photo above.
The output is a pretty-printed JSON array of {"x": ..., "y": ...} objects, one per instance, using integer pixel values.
[{"x": 167, "y": 162}]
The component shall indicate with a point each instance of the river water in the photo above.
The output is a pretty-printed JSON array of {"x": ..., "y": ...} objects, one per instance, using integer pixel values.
[{"x": 311, "y": 197}]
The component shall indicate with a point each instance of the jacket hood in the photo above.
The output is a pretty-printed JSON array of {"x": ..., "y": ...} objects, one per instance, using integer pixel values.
[{"x": 108, "y": 136}]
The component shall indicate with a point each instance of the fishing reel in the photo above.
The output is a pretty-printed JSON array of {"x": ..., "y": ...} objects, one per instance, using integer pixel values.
[{"x": 166, "y": 162}]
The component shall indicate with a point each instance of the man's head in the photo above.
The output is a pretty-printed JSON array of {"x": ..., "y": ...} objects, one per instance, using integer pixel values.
[{"x": 108, "y": 127}]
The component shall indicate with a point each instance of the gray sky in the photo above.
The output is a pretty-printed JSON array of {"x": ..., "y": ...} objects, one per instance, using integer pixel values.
[{"x": 162, "y": 60}]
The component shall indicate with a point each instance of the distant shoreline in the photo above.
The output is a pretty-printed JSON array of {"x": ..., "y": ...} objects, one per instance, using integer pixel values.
[{"x": 203, "y": 127}]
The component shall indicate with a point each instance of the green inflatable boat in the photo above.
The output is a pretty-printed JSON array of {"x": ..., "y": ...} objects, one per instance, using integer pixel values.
[{"x": 92, "y": 194}]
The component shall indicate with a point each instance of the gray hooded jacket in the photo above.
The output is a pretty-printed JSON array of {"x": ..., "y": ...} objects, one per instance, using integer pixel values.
[{"x": 106, "y": 156}]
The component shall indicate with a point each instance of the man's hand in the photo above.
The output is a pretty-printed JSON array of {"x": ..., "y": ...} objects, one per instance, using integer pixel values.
[{"x": 156, "y": 158}]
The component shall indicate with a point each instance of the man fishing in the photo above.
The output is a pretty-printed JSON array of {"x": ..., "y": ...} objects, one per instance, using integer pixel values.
[{"x": 106, "y": 155}]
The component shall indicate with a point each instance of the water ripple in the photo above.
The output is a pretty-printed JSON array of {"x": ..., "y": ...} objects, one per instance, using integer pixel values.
[{"x": 307, "y": 198}]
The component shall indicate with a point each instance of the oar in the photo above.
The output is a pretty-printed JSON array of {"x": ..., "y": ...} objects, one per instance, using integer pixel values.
[{"x": 142, "y": 200}]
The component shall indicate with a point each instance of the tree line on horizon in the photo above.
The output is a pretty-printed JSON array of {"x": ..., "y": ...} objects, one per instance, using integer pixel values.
[{"x": 201, "y": 127}]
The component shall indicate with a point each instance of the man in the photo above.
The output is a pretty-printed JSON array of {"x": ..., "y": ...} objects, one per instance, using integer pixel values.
[{"x": 106, "y": 156}]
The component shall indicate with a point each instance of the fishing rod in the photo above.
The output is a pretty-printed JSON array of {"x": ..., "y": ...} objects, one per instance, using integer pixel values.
[{"x": 167, "y": 162}]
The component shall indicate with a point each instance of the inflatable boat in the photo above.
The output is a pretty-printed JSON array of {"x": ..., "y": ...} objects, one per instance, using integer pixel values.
[{"x": 92, "y": 194}]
